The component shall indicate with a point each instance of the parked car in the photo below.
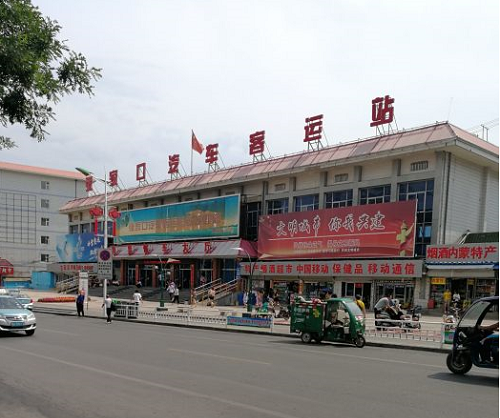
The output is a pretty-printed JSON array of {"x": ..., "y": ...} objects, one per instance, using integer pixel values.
[
  {"x": 14, "y": 317},
  {"x": 26, "y": 301}
]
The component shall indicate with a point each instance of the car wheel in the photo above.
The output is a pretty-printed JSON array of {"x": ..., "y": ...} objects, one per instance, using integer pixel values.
[
  {"x": 359, "y": 341},
  {"x": 30, "y": 332},
  {"x": 306, "y": 337},
  {"x": 461, "y": 364}
]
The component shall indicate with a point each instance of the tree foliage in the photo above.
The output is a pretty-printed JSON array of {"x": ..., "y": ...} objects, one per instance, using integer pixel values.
[{"x": 36, "y": 69}]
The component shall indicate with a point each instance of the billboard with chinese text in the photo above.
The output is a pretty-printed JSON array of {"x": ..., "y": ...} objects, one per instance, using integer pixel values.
[
  {"x": 381, "y": 230},
  {"x": 217, "y": 217},
  {"x": 78, "y": 248}
]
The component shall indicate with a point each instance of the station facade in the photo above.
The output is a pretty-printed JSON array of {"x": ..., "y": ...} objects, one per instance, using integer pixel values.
[{"x": 433, "y": 185}]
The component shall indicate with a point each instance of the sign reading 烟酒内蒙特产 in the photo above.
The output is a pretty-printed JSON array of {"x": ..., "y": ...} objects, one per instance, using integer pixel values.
[{"x": 201, "y": 219}]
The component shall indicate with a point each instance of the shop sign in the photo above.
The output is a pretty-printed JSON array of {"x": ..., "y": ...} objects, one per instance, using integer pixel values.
[
  {"x": 78, "y": 248},
  {"x": 438, "y": 280},
  {"x": 249, "y": 322},
  {"x": 365, "y": 268},
  {"x": 464, "y": 253},
  {"x": 186, "y": 249},
  {"x": 470, "y": 282},
  {"x": 73, "y": 268},
  {"x": 382, "y": 230},
  {"x": 201, "y": 219}
]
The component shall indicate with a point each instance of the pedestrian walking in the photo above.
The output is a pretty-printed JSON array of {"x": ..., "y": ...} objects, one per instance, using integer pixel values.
[
  {"x": 108, "y": 302},
  {"x": 211, "y": 297},
  {"x": 361, "y": 305},
  {"x": 80, "y": 299},
  {"x": 137, "y": 297},
  {"x": 446, "y": 301},
  {"x": 176, "y": 294},
  {"x": 171, "y": 290}
]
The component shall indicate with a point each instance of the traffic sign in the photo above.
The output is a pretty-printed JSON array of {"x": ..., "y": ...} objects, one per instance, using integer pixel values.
[{"x": 104, "y": 265}]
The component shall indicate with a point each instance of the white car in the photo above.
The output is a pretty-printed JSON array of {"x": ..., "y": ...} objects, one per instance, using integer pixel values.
[{"x": 14, "y": 317}]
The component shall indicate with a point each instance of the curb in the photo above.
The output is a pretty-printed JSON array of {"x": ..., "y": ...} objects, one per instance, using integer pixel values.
[{"x": 66, "y": 312}]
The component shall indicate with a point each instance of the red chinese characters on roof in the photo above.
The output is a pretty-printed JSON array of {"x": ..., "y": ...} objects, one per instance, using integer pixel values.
[
  {"x": 140, "y": 172},
  {"x": 89, "y": 183},
  {"x": 382, "y": 110},
  {"x": 113, "y": 178},
  {"x": 313, "y": 128},
  {"x": 463, "y": 253},
  {"x": 212, "y": 153},
  {"x": 173, "y": 163},
  {"x": 257, "y": 142}
]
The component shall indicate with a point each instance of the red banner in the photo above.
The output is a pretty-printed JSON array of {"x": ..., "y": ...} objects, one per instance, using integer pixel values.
[{"x": 382, "y": 230}]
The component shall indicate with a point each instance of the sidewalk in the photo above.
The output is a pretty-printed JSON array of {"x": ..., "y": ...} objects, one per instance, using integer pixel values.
[{"x": 427, "y": 339}]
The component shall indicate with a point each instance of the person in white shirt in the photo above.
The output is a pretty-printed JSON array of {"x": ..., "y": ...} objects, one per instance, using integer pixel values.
[
  {"x": 137, "y": 297},
  {"x": 108, "y": 302}
]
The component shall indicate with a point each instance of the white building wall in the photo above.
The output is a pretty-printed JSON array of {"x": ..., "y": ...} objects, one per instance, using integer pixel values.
[
  {"x": 308, "y": 180},
  {"x": 376, "y": 170},
  {"x": 492, "y": 198},
  {"x": 464, "y": 199},
  {"x": 21, "y": 228}
]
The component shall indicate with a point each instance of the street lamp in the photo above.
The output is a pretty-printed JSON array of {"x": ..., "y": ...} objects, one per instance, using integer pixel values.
[
  {"x": 87, "y": 173},
  {"x": 252, "y": 266},
  {"x": 162, "y": 280}
]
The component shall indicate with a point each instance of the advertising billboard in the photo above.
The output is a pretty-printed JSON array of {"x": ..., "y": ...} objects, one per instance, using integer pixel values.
[
  {"x": 77, "y": 248},
  {"x": 380, "y": 230},
  {"x": 217, "y": 217}
]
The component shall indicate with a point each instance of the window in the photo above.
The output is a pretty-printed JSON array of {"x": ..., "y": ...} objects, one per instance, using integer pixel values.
[
  {"x": 419, "y": 166},
  {"x": 45, "y": 185},
  {"x": 339, "y": 178},
  {"x": 250, "y": 220},
  {"x": 305, "y": 203},
  {"x": 277, "y": 206},
  {"x": 130, "y": 206},
  {"x": 44, "y": 239},
  {"x": 228, "y": 269},
  {"x": 339, "y": 199},
  {"x": 44, "y": 258},
  {"x": 18, "y": 218},
  {"x": 44, "y": 203},
  {"x": 280, "y": 187},
  {"x": 73, "y": 229},
  {"x": 423, "y": 192},
  {"x": 84, "y": 228},
  {"x": 45, "y": 222},
  {"x": 372, "y": 195},
  {"x": 70, "y": 217}
]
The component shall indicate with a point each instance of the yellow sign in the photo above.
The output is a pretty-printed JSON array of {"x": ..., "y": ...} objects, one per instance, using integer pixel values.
[
  {"x": 316, "y": 313},
  {"x": 438, "y": 280},
  {"x": 470, "y": 282}
]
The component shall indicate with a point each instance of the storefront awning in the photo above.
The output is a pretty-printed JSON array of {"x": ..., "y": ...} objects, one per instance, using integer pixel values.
[
  {"x": 460, "y": 271},
  {"x": 186, "y": 249}
]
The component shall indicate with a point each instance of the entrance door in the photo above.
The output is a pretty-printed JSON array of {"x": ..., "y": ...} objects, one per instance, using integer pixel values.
[{"x": 131, "y": 279}]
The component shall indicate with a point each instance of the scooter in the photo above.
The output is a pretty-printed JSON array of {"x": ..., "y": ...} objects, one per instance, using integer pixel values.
[{"x": 394, "y": 317}]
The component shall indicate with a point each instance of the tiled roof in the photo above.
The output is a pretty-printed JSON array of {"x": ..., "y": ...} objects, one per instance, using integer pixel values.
[
  {"x": 41, "y": 171},
  {"x": 428, "y": 136}
]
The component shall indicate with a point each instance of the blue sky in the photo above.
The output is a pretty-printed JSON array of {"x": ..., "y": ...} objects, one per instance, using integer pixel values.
[{"x": 229, "y": 68}]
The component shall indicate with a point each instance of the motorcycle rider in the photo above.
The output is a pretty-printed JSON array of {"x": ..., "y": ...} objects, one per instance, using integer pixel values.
[{"x": 386, "y": 304}]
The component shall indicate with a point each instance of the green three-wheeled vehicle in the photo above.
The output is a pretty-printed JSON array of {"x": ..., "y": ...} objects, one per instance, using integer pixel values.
[{"x": 336, "y": 320}]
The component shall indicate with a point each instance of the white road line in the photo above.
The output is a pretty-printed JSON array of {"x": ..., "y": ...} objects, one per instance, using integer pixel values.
[
  {"x": 198, "y": 353},
  {"x": 186, "y": 392}
]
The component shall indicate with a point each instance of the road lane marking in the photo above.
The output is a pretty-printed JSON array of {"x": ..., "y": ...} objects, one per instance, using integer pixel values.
[
  {"x": 198, "y": 353},
  {"x": 175, "y": 389}
]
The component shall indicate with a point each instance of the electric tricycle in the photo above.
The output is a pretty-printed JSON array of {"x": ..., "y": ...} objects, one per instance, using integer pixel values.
[
  {"x": 335, "y": 320},
  {"x": 475, "y": 341}
]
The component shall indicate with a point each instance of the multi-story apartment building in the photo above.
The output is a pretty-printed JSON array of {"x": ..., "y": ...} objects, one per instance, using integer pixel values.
[
  {"x": 451, "y": 174},
  {"x": 30, "y": 221}
]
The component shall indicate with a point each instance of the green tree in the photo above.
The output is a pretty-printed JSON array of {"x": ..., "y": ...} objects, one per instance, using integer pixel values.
[{"x": 36, "y": 69}]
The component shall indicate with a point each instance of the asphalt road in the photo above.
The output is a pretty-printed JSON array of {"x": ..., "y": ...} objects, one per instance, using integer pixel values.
[{"x": 81, "y": 367}]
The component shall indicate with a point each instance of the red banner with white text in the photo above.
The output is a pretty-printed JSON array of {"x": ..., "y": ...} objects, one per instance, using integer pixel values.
[{"x": 381, "y": 230}]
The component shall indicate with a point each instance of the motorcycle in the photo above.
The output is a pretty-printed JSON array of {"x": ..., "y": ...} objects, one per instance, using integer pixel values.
[
  {"x": 473, "y": 343},
  {"x": 394, "y": 317}
]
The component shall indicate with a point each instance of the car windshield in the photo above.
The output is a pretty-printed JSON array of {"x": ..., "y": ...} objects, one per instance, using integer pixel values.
[
  {"x": 10, "y": 303},
  {"x": 473, "y": 313},
  {"x": 354, "y": 308},
  {"x": 24, "y": 300}
]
